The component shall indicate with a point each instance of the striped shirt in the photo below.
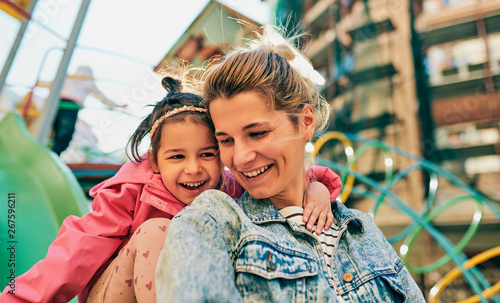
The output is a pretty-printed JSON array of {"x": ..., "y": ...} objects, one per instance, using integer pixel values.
[{"x": 328, "y": 238}]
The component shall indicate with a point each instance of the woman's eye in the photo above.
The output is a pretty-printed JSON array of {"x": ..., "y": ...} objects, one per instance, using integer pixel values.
[
  {"x": 225, "y": 140},
  {"x": 259, "y": 134}
]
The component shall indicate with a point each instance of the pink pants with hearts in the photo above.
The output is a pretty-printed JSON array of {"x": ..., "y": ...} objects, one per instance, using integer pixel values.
[{"x": 131, "y": 276}]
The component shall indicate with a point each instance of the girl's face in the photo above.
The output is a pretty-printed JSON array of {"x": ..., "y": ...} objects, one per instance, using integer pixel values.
[
  {"x": 187, "y": 159},
  {"x": 262, "y": 147}
]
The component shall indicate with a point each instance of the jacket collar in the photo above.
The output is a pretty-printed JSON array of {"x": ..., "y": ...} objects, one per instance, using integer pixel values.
[
  {"x": 344, "y": 216},
  {"x": 156, "y": 195},
  {"x": 262, "y": 210},
  {"x": 259, "y": 210}
]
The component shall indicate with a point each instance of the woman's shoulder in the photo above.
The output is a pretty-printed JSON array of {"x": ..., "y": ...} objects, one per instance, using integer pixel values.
[
  {"x": 214, "y": 203},
  {"x": 352, "y": 217},
  {"x": 359, "y": 223},
  {"x": 212, "y": 199}
]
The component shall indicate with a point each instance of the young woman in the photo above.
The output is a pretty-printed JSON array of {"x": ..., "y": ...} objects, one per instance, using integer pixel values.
[{"x": 251, "y": 249}]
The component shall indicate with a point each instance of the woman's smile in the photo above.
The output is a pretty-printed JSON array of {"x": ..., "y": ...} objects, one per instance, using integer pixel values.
[
  {"x": 263, "y": 148},
  {"x": 257, "y": 172}
]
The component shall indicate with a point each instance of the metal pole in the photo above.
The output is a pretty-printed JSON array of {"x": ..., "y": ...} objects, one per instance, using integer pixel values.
[
  {"x": 424, "y": 95},
  {"x": 15, "y": 46},
  {"x": 44, "y": 123}
]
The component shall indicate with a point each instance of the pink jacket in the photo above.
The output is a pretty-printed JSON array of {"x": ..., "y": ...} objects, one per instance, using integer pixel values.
[{"x": 85, "y": 246}]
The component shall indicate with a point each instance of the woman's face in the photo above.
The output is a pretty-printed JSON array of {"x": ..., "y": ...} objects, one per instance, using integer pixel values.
[{"x": 262, "y": 147}]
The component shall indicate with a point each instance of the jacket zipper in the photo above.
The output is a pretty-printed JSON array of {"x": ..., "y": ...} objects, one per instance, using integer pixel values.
[{"x": 161, "y": 194}]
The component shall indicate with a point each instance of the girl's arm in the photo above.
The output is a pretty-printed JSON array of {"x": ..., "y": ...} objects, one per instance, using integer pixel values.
[
  {"x": 82, "y": 246},
  {"x": 323, "y": 187},
  {"x": 317, "y": 208},
  {"x": 326, "y": 176}
]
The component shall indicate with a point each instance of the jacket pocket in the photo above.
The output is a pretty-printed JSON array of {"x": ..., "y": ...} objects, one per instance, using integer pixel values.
[
  {"x": 375, "y": 287},
  {"x": 394, "y": 288},
  {"x": 270, "y": 262}
]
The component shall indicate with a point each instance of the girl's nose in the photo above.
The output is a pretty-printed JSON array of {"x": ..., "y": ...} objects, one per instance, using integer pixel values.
[{"x": 193, "y": 168}]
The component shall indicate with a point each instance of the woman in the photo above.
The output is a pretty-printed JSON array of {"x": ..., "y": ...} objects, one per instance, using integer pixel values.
[{"x": 252, "y": 249}]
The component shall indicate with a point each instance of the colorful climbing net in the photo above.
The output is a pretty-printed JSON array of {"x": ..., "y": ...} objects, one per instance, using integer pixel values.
[{"x": 381, "y": 192}]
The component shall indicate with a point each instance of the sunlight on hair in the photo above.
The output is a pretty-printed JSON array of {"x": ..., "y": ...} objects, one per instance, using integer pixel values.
[{"x": 300, "y": 63}]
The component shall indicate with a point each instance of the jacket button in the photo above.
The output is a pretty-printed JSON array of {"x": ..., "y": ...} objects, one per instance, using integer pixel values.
[
  {"x": 347, "y": 277},
  {"x": 271, "y": 266}
]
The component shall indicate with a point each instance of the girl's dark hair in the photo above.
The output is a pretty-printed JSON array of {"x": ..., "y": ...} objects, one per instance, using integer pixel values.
[{"x": 175, "y": 98}]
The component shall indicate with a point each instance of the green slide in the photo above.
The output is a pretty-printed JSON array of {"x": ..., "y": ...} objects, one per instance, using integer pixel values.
[{"x": 37, "y": 191}]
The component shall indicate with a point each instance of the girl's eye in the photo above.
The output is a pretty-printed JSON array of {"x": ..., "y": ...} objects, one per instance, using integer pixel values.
[
  {"x": 176, "y": 157},
  {"x": 208, "y": 155},
  {"x": 260, "y": 134}
]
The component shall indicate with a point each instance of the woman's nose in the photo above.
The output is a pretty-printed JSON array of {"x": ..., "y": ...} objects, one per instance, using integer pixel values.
[{"x": 244, "y": 153}]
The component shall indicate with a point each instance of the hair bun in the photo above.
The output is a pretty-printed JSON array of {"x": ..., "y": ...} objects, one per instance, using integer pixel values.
[
  {"x": 171, "y": 85},
  {"x": 284, "y": 51}
]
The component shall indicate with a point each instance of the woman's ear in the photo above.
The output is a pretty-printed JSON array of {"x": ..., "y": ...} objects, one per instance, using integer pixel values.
[
  {"x": 152, "y": 160},
  {"x": 309, "y": 121}
]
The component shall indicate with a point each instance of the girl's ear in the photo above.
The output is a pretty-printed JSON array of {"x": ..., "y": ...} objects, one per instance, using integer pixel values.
[
  {"x": 309, "y": 121},
  {"x": 152, "y": 160}
]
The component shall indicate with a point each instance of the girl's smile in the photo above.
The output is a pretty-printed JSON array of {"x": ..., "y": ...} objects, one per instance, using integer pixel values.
[{"x": 187, "y": 159}]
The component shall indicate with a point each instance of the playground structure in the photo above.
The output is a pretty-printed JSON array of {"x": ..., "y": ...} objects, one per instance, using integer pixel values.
[
  {"x": 42, "y": 192},
  {"x": 382, "y": 193}
]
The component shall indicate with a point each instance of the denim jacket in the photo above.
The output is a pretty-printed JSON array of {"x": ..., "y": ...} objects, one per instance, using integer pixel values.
[{"x": 220, "y": 250}]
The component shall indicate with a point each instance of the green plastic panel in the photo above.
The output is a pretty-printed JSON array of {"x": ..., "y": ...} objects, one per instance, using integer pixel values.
[{"x": 37, "y": 191}]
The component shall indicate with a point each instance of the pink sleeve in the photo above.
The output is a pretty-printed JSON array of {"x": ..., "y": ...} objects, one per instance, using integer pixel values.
[
  {"x": 232, "y": 187},
  {"x": 82, "y": 246},
  {"x": 326, "y": 176}
]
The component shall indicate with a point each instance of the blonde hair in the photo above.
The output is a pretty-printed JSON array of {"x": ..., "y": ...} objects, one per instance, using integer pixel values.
[{"x": 264, "y": 67}]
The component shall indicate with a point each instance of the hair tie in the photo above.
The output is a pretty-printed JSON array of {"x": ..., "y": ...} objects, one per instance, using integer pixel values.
[
  {"x": 171, "y": 113},
  {"x": 299, "y": 62}
]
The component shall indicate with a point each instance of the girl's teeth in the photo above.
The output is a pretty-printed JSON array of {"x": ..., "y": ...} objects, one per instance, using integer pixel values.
[
  {"x": 256, "y": 172},
  {"x": 192, "y": 184}
]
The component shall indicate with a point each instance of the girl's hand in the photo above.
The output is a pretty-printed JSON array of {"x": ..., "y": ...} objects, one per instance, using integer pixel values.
[{"x": 317, "y": 207}]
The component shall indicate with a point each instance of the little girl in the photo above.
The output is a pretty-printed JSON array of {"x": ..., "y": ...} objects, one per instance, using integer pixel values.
[{"x": 111, "y": 253}]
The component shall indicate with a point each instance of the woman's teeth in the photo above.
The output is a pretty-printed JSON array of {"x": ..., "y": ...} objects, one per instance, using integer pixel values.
[{"x": 255, "y": 172}]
